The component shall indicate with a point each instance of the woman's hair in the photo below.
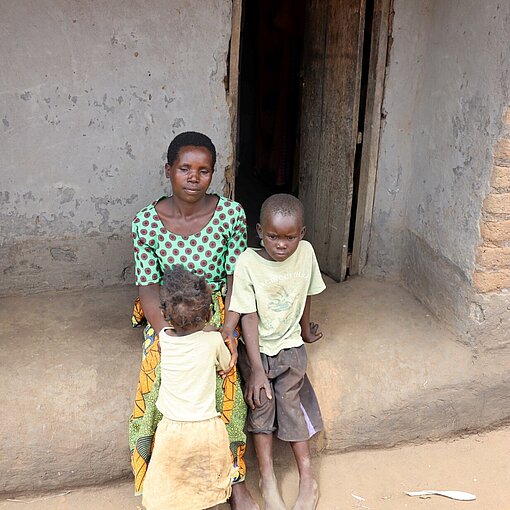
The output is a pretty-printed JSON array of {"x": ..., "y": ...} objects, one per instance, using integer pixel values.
[
  {"x": 185, "y": 298},
  {"x": 186, "y": 139}
]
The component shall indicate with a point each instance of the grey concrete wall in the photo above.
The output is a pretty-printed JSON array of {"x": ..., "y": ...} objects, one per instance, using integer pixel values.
[
  {"x": 446, "y": 89},
  {"x": 91, "y": 93}
]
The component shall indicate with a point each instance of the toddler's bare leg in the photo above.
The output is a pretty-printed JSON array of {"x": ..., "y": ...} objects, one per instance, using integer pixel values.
[
  {"x": 268, "y": 484},
  {"x": 308, "y": 487}
]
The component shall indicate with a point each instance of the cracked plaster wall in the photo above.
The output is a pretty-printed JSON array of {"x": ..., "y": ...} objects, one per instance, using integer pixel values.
[
  {"x": 446, "y": 88},
  {"x": 91, "y": 93}
]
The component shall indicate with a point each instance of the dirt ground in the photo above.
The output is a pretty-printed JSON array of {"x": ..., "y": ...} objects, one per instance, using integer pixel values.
[{"x": 479, "y": 464}]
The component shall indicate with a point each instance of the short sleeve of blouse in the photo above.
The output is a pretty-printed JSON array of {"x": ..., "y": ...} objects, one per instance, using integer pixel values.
[
  {"x": 147, "y": 266},
  {"x": 238, "y": 239}
]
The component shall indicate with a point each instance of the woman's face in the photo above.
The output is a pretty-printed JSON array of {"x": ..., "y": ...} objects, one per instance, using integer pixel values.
[{"x": 191, "y": 173}]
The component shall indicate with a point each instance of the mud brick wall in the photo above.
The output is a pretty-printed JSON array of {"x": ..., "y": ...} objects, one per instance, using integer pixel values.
[{"x": 492, "y": 273}]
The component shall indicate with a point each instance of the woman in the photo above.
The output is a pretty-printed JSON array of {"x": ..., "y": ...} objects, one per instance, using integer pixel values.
[{"x": 205, "y": 233}]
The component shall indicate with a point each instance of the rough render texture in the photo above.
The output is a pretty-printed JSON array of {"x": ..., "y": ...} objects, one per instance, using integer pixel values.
[
  {"x": 441, "y": 141},
  {"x": 91, "y": 93}
]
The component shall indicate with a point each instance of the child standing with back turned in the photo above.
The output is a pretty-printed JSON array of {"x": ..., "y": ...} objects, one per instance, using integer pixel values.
[
  {"x": 272, "y": 293},
  {"x": 191, "y": 466}
]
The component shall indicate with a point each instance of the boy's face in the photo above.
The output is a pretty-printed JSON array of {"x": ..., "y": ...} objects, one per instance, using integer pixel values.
[{"x": 281, "y": 235}]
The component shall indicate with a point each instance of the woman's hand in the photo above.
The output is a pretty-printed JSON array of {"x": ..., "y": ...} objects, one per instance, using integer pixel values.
[{"x": 311, "y": 333}]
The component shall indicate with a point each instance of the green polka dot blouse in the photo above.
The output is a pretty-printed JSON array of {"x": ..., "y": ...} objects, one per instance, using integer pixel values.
[{"x": 211, "y": 253}]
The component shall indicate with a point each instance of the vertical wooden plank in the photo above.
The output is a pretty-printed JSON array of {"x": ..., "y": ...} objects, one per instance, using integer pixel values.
[
  {"x": 233, "y": 95},
  {"x": 311, "y": 109},
  {"x": 371, "y": 131},
  {"x": 330, "y": 119},
  {"x": 344, "y": 46}
]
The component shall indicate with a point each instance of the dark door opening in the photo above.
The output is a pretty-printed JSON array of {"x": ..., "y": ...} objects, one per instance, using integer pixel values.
[
  {"x": 269, "y": 103},
  {"x": 307, "y": 71}
]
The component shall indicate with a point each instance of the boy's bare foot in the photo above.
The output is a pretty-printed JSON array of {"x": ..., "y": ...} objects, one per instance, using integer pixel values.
[
  {"x": 270, "y": 493},
  {"x": 308, "y": 495},
  {"x": 241, "y": 498}
]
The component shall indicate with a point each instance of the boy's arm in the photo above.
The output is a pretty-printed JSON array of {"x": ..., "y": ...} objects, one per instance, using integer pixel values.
[
  {"x": 257, "y": 381},
  {"x": 231, "y": 317},
  {"x": 229, "y": 325},
  {"x": 309, "y": 330}
]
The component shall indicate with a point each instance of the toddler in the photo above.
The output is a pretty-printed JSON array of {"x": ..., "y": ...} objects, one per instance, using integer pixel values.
[{"x": 191, "y": 466}]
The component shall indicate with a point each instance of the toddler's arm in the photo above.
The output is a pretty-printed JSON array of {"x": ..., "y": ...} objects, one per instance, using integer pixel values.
[
  {"x": 309, "y": 330},
  {"x": 257, "y": 381},
  {"x": 223, "y": 357}
]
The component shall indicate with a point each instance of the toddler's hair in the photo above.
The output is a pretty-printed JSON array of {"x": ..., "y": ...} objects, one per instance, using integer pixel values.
[
  {"x": 284, "y": 204},
  {"x": 192, "y": 138},
  {"x": 185, "y": 298}
]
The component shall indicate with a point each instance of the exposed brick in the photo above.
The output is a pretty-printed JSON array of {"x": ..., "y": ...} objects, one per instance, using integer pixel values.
[
  {"x": 500, "y": 177},
  {"x": 496, "y": 231},
  {"x": 493, "y": 257},
  {"x": 497, "y": 203},
  {"x": 506, "y": 118},
  {"x": 502, "y": 152},
  {"x": 491, "y": 281}
]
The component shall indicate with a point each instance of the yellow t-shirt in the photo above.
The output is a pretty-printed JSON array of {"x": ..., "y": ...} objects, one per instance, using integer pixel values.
[
  {"x": 188, "y": 374},
  {"x": 277, "y": 291}
]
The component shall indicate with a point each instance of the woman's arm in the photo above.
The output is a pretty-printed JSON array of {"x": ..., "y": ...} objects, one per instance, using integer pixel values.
[{"x": 151, "y": 305}]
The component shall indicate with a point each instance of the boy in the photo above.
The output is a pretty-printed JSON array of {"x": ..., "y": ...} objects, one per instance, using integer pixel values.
[{"x": 272, "y": 292}]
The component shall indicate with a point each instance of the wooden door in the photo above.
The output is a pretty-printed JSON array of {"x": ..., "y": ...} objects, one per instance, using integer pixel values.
[{"x": 332, "y": 56}]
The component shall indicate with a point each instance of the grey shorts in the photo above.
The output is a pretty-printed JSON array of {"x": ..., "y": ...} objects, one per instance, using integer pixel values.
[{"x": 294, "y": 410}]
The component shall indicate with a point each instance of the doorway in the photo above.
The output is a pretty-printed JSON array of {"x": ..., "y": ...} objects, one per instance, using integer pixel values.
[
  {"x": 305, "y": 100},
  {"x": 269, "y": 103}
]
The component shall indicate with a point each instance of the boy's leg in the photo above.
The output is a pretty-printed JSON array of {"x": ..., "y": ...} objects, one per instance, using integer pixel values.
[
  {"x": 298, "y": 417},
  {"x": 308, "y": 487},
  {"x": 268, "y": 484}
]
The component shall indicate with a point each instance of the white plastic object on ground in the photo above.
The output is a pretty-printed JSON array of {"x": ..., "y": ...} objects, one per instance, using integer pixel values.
[{"x": 458, "y": 495}]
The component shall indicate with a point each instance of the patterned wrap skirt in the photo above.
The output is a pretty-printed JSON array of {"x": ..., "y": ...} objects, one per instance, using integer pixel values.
[{"x": 145, "y": 417}]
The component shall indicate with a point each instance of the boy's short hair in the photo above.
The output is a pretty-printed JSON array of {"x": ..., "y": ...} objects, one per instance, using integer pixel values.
[
  {"x": 186, "y": 139},
  {"x": 284, "y": 204},
  {"x": 185, "y": 298}
]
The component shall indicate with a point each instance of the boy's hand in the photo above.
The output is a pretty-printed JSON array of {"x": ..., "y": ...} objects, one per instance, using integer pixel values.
[
  {"x": 311, "y": 333},
  {"x": 229, "y": 339},
  {"x": 257, "y": 382}
]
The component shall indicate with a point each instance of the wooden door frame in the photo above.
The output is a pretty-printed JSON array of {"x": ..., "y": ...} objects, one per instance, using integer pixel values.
[
  {"x": 381, "y": 39},
  {"x": 233, "y": 96}
]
